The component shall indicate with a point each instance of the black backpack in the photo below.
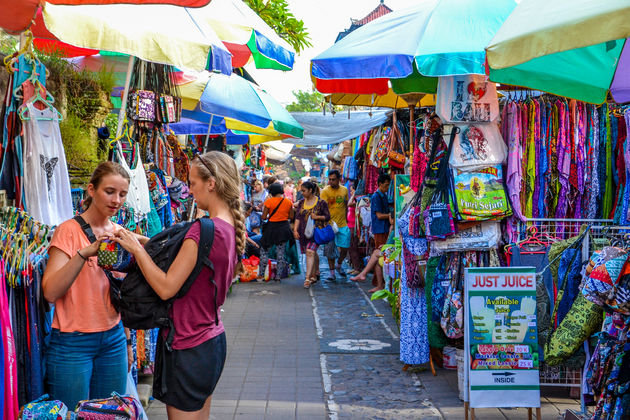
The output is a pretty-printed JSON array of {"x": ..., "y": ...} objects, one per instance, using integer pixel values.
[{"x": 139, "y": 306}]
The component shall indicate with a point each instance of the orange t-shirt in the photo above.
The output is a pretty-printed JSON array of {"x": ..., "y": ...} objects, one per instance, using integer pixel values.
[
  {"x": 283, "y": 211},
  {"x": 86, "y": 306}
]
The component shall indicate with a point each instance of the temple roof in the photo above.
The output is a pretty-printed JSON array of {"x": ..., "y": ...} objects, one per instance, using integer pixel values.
[{"x": 381, "y": 10}]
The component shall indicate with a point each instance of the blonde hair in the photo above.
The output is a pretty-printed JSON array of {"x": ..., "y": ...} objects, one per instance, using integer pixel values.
[
  {"x": 102, "y": 170},
  {"x": 227, "y": 178}
]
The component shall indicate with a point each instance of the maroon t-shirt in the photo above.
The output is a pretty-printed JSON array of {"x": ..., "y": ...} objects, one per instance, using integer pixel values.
[{"x": 193, "y": 315}]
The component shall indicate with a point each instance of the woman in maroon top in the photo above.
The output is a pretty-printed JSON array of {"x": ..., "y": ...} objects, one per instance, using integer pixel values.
[{"x": 193, "y": 368}]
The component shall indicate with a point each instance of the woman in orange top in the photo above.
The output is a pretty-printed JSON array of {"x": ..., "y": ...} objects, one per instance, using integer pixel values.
[
  {"x": 89, "y": 353},
  {"x": 277, "y": 213}
]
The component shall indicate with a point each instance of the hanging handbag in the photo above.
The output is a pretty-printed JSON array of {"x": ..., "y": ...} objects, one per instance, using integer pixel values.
[
  {"x": 453, "y": 314},
  {"x": 480, "y": 195},
  {"x": 142, "y": 106},
  {"x": 438, "y": 218},
  {"x": 395, "y": 159}
]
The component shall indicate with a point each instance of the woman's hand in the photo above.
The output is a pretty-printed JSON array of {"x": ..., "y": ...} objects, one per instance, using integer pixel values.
[
  {"x": 128, "y": 240},
  {"x": 296, "y": 235},
  {"x": 92, "y": 249}
]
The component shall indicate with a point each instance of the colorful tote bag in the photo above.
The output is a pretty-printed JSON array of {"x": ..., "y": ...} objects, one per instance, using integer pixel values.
[
  {"x": 470, "y": 98},
  {"x": 480, "y": 195},
  {"x": 478, "y": 146}
]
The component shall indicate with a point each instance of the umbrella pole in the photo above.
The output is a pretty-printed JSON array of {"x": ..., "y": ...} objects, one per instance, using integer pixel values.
[
  {"x": 412, "y": 131},
  {"x": 205, "y": 143},
  {"x": 123, "y": 106}
]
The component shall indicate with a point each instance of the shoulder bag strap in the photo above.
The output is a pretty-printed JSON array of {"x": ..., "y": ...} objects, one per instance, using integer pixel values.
[
  {"x": 276, "y": 209},
  {"x": 442, "y": 186}
]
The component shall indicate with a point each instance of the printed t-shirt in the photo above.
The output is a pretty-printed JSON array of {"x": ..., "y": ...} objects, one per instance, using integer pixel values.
[
  {"x": 194, "y": 314},
  {"x": 86, "y": 306},
  {"x": 337, "y": 200},
  {"x": 380, "y": 204},
  {"x": 283, "y": 211}
]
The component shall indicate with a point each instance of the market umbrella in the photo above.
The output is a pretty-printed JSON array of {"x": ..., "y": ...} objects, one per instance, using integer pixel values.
[
  {"x": 191, "y": 127},
  {"x": 572, "y": 48},
  {"x": 410, "y": 48},
  {"x": 238, "y": 99},
  {"x": 17, "y": 15},
  {"x": 246, "y": 35},
  {"x": 389, "y": 100},
  {"x": 157, "y": 33}
]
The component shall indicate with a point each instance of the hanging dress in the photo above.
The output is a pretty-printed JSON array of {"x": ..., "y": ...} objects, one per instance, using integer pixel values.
[{"x": 414, "y": 339}]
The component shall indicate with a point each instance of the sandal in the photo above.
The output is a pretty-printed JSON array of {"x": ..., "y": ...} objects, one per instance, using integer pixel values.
[{"x": 308, "y": 283}]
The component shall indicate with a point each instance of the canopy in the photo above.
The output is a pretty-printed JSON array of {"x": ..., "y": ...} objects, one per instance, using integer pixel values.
[
  {"x": 16, "y": 15},
  {"x": 246, "y": 35},
  {"x": 157, "y": 33},
  {"x": 434, "y": 38},
  {"x": 320, "y": 129},
  {"x": 236, "y": 98},
  {"x": 389, "y": 100},
  {"x": 573, "y": 48}
]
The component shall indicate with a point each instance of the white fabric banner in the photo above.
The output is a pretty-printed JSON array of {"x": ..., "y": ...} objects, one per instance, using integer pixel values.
[{"x": 320, "y": 129}]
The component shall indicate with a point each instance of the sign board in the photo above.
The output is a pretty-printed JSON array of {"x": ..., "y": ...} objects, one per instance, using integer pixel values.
[{"x": 501, "y": 337}]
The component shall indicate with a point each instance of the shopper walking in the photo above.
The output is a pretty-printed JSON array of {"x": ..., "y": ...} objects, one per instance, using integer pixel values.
[
  {"x": 354, "y": 258},
  {"x": 310, "y": 207},
  {"x": 192, "y": 369},
  {"x": 88, "y": 355},
  {"x": 277, "y": 213},
  {"x": 336, "y": 196}
]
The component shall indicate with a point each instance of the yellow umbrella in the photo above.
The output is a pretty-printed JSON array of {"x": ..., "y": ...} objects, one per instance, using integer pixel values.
[{"x": 389, "y": 100}]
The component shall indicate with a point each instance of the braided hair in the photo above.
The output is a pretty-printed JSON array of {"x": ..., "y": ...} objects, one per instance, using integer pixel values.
[{"x": 227, "y": 180}]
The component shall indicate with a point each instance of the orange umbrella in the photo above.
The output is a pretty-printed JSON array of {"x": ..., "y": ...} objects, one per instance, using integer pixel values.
[{"x": 17, "y": 15}]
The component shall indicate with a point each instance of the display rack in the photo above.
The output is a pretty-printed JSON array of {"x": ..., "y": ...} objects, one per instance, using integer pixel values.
[{"x": 601, "y": 233}]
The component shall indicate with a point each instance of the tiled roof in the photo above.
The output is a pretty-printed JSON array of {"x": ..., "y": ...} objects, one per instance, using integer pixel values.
[{"x": 381, "y": 10}]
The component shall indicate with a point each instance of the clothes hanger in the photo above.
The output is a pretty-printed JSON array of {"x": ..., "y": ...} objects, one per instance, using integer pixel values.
[{"x": 38, "y": 98}]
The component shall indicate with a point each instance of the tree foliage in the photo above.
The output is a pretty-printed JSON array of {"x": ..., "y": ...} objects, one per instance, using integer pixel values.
[
  {"x": 276, "y": 14},
  {"x": 306, "y": 101}
]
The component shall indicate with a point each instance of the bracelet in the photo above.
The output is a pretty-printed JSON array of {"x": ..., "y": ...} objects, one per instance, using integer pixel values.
[
  {"x": 129, "y": 342},
  {"x": 81, "y": 255}
]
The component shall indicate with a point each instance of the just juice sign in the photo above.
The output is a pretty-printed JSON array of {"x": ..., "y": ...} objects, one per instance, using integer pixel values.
[{"x": 502, "y": 336}]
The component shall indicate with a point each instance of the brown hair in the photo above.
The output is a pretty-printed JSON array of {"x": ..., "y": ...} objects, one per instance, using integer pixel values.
[
  {"x": 102, "y": 170},
  {"x": 227, "y": 178}
]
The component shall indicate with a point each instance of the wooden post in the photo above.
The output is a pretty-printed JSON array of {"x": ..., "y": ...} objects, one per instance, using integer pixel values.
[
  {"x": 412, "y": 131},
  {"x": 466, "y": 408},
  {"x": 538, "y": 413},
  {"x": 529, "y": 413}
]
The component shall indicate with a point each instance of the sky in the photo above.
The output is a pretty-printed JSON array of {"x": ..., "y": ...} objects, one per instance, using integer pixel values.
[{"x": 323, "y": 19}]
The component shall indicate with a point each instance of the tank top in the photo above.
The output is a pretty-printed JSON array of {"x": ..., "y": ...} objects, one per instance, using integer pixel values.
[{"x": 138, "y": 197}]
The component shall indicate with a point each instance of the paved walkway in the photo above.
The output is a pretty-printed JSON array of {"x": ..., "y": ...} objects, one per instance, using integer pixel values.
[{"x": 328, "y": 353}]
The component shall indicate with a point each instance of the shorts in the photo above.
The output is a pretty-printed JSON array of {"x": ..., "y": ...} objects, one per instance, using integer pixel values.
[
  {"x": 191, "y": 374},
  {"x": 380, "y": 239},
  {"x": 312, "y": 245},
  {"x": 343, "y": 237}
]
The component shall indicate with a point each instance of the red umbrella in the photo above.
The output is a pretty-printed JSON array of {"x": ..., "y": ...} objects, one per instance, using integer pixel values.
[{"x": 17, "y": 15}]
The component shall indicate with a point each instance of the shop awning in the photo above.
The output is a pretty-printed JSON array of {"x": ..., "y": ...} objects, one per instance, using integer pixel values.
[{"x": 320, "y": 129}]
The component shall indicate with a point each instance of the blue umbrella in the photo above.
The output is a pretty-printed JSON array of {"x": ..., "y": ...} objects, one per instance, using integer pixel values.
[{"x": 412, "y": 47}]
